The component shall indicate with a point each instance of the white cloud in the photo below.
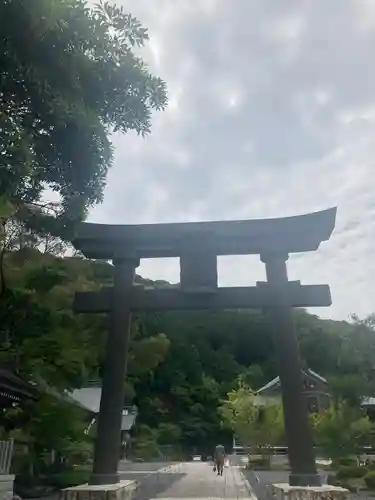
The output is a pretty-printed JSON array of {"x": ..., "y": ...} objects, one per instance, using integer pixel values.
[{"x": 272, "y": 113}]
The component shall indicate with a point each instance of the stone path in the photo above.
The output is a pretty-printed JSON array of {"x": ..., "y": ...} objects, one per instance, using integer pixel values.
[
  {"x": 186, "y": 481},
  {"x": 195, "y": 481},
  {"x": 141, "y": 471}
]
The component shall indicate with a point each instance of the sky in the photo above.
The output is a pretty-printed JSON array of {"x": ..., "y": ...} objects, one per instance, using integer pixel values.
[{"x": 271, "y": 113}]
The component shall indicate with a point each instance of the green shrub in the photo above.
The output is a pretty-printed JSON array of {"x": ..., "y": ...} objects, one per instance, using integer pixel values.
[
  {"x": 347, "y": 462},
  {"x": 67, "y": 479},
  {"x": 351, "y": 472},
  {"x": 370, "y": 479},
  {"x": 258, "y": 463}
]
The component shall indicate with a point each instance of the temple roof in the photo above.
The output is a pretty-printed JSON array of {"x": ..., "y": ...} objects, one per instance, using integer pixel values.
[
  {"x": 13, "y": 387},
  {"x": 87, "y": 397},
  {"x": 276, "y": 381}
]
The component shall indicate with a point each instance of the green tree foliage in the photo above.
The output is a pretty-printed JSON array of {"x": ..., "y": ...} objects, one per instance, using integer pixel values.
[
  {"x": 181, "y": 365},
  {"x": 56, "y": 425},
  {"x": 257, "y": 427},
  {"x": 145, "y": 447},
  {"x": 40, "y": 331},
  {"x": 349, "y": 388},
  {"x": 46, "y": 343},
  {"x": 69, "y": 78},
  {"x": 341, "y": 431}
]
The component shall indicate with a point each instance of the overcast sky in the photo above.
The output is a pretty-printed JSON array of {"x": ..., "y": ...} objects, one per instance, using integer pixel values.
[{"x": 271, "y": 113}]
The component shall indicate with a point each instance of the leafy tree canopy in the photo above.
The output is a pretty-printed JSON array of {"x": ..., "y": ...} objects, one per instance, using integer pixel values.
[
  {"x": 257, "y": 427},
  {"x": 342, "y": 430},
  {"x": 181, "y": 365},
  {"x": 69, "y": 76}
]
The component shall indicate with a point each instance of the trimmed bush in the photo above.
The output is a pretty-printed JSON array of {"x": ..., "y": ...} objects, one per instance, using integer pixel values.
[
  {"x": 259, "y": 463},
  {"x": 67, "y": 479},
  {"x": 347, "y": 462},
  {"x": 351, "y": 472},
  {"x": 370, "y": 479}
]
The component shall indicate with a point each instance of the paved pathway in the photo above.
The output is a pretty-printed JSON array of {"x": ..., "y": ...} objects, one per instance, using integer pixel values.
[
  {"x": 186, "y": 481},
  {"x": 141, "y": 471},
  {"x": 195, "y": 481}
]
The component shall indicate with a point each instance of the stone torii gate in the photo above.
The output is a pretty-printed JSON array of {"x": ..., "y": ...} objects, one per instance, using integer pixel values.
[{"x": 198, "y": 245}]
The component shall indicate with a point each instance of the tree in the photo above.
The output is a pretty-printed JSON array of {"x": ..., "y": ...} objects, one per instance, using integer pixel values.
[
  {"x": 49, "y": 425},
  {"x": 69, "y": 78},
  {"x": 45, "y": 342},
  {"x": 349, "y": 388},
  {"x": 144, "y": 445},
  {"x": 255, "y": 426},
  {"x": 38, "y": 331},
  {"x": 176, "y": 378},
  {"x": 253, "y": 377},
  {"x": 341, "y": 431}
]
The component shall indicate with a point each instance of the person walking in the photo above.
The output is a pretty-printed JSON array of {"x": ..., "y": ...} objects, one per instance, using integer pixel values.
[{"x": 219, "y": 458}]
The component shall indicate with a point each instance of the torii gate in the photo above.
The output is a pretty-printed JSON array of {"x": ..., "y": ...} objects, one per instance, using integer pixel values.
[{"x": 198, "y": 245}]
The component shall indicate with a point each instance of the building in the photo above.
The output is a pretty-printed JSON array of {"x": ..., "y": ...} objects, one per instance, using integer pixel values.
[
  {"x": 89, "y": 398},
  {"x": 368, "y": 405},
  {"x": 13, "y": 388},
  {"x": 315, "y": 388}
]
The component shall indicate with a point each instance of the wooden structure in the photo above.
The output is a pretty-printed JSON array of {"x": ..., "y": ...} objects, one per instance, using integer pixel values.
[
  {"x": 197, "y": 245},
  {"x": 315, "y": 390},
  {"x": 13, "y": 388}
]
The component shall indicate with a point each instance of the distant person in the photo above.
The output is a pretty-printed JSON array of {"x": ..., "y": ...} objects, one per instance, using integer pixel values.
[{"x": 219, "y": 458}]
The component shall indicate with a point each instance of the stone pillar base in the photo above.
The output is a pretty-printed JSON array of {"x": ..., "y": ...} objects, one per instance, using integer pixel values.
[
  {"x": 284, "y": 491},
  {"x": 6, "y": 485},
  {"x": 120, "y": 491}
]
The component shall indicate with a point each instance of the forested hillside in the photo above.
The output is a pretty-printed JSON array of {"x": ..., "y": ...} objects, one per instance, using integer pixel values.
[{"x": 181, "y": 365}]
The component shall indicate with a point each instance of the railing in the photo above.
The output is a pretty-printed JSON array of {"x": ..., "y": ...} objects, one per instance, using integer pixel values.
[{"x": 6, "y": 451}]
